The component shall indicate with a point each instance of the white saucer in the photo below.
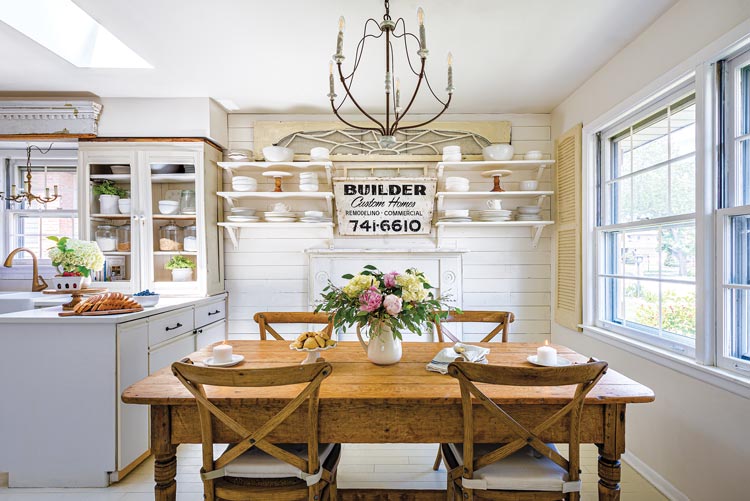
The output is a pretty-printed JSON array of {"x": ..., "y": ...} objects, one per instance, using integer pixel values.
[
  {"x": 235, "y": 360},
  {"x": 561, "y": 362}
]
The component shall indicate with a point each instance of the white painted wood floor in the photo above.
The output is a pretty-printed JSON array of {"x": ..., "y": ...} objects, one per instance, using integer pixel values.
[{"x": 394, "y": 466}]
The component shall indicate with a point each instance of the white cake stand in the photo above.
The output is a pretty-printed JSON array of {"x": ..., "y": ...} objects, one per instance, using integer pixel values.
[
  {"x": 277, "y": 175},
  {"x": 496, "y": 175}
]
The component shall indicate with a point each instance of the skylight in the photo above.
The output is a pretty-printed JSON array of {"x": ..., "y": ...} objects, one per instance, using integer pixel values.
[{"x": 68, "y": 31}]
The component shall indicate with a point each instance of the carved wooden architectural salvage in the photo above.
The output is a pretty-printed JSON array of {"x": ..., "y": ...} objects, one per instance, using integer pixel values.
[
  {"x": 356, "y": 144},
  {"x": 27, "y": 117}
]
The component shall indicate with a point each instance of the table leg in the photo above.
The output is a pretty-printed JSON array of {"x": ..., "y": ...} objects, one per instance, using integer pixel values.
[
  {"x": 610, "y": 452},
  {"x": 165, "y": 454}
]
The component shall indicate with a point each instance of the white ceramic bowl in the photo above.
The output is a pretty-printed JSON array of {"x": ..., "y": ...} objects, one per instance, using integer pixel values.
[
  {"x": 313, "y": 213},
  {"x": 244, "y": 187},
  {"x": 456, "y": 180},
  {"x": 123, "y": 205},
  {"x": 168, "y": 206},
  {"x": 242, "y": 211},
  {"x": 308, "y": 187},
  {"x": 451, "y": 187},
  {"x": 533, "y": 155},
  {"x": 456, "y": 213},
  {"x": 498, "y": 152},
  {"x": 528, "y": 209},
  {"x": 278, "y": 154},
  {"x": 146, "y": 301},
  {"x": 66, "y": 283},
  {"x": 529, "y": 185},
  {"x": 319, "y": 153}
]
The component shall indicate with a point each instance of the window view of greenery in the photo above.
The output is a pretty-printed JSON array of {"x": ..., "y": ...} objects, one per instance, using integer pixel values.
[
  {"x": 739, "y": 297},
  {"x": 649, "y": 269}
]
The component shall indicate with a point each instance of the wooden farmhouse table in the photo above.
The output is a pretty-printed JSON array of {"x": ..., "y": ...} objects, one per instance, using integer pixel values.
[{"x": 364, "y": 403}]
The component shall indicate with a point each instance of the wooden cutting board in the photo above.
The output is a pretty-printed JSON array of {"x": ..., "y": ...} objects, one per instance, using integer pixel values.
[{"x": 98, "y": 313}]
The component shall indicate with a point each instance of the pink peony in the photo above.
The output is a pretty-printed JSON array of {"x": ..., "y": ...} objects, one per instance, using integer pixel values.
[
  {"x": 392, "y": 304},
  {"x": 390, "y": 279},
  {"x": 370, "y": 300}
]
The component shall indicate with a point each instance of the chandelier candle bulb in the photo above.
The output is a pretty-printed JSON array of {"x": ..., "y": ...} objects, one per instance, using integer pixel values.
[
  {"x": 330, "y": 78},
  {"x": 546, "y": 355},
  {"x": 222, "y": 353},
  {"x": 422, "y": 36},
  {"x": 340, "y": 38},
  {"x": 450, "y": 72},
  {"x": 55, "y": 189}
]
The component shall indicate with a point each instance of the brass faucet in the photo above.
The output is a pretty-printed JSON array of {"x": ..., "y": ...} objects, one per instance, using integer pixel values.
[{"x": 37, "y": 282}]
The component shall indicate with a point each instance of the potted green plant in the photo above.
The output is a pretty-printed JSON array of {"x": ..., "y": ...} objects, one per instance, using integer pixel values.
[
  {"x": 182, "y": 268},
  {"x": 109, "y": 195},
  {"x": 75, "y": 260}
]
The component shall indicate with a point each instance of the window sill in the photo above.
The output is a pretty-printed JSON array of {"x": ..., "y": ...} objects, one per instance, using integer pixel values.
[{"x": 708, "y": 374}]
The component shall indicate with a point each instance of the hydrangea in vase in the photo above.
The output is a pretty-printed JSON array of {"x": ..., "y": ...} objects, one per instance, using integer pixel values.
[
  {"x": 385, "y": 303},
  {"x": 74, "y": 257}
]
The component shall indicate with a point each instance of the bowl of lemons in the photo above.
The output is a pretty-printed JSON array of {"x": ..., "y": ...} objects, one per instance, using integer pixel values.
[{"x": 313, "y": 342}]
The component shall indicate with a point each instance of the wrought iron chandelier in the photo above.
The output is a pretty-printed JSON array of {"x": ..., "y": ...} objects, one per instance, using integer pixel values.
[
  {"x": 392, "y": 30},
  {"x": 27, "y": 194}
]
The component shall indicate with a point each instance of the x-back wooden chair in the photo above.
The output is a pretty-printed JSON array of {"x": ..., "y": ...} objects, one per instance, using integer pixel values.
[
  {"x": 525, "y": 467},
  {"x": 266, "y": 318},
  {"x": 503, "y": 319},
  {"x": 253, "y": 468}
]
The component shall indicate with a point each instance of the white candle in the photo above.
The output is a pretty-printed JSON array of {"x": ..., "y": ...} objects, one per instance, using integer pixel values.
[
  {"x": 330, "y": 79},
  {"x": 222, "y": 353},
  {"x": 450, "y": 72},
  {"x": 546, "y": 355},
  {"x": 422, "y": 36}
]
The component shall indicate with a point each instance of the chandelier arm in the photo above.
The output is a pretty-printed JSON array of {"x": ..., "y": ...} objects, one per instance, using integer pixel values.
[
  {"x": 360, "y": 47},
  {"x": 411, "y": 101},
  {"x": 445, "y": 107},
  {"x": 348, "y": 93},
  {"x": 429, "y": 86},
  {"x": 336, "y": 112},
  {"x": 388, "y": 78}
]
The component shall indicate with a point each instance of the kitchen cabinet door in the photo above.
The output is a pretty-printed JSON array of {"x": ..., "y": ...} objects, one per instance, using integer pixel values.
[
  {"x": 132, "y": 366},
  {"x": 172, "y": 351},
  {"x": 212, "y": 333}
]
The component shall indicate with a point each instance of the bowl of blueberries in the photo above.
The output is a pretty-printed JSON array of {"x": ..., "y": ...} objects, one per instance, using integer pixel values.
[{"x": 146, "y": 298}]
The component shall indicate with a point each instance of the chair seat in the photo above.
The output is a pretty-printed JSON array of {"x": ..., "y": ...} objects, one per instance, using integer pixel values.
[
  {"x": 521, "y": 471},
  {"x": 255, "y": 463}
]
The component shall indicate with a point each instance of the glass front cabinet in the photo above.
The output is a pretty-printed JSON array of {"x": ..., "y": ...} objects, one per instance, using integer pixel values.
[{"x": 161, "y": 233}]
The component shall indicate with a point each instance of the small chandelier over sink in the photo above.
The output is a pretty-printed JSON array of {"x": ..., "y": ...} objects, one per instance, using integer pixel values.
[
  {"x": 394, "y": 111},
  {"x": 27, "y": 195}
]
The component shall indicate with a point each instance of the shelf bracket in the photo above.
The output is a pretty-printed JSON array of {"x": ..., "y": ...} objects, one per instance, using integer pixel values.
[
  {"x": 233, "y": 236},
  {"x": 440, "y": 199},
  {"x": 540, "y": 200},
  {"x": 536, "y": 234},
  {"x": 539, "y": 173}
]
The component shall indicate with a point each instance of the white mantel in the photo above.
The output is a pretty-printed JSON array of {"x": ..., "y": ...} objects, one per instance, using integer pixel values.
[{"x": 74, "y": 117}]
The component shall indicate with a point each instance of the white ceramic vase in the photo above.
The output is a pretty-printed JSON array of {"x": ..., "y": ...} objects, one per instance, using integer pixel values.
[
  {"x": 383, "y": 348},
  {"x": 108, "y": 204}
]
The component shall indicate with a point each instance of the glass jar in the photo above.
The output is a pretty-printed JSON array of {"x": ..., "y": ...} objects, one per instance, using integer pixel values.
[
  {"x": 187, "y": 202},
  {"x": 106, "y": 238},
  {"x": 170, "y": 238},
  {"x": 123, "y": 238},
  {"x": 190, "y": 243}
]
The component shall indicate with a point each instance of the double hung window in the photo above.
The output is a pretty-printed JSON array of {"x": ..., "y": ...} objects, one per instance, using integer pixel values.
[{"x": 646, "y": 227}]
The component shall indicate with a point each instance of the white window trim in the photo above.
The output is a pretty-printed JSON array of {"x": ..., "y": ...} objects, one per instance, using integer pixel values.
[{"x": 700, "y": 66}]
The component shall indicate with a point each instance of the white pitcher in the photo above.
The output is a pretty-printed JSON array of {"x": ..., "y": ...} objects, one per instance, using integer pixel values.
[{"x": 383, "y": 348}]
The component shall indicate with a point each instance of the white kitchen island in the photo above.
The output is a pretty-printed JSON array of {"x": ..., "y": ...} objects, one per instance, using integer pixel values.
[{"x": 62, "y": 423}]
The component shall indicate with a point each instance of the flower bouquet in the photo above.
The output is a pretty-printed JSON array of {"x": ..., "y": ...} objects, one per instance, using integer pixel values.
[
  {"x": 75, "y": 260},
  {"x": 387, "y": 303}
]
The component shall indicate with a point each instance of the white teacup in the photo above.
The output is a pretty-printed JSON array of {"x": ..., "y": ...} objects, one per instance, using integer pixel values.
[
  {"x": 495, "y": 204},
  {"x": 280, "y": 207}
]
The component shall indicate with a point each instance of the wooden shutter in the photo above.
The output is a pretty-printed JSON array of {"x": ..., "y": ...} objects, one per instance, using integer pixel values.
[{"x": 568, "y": 225}]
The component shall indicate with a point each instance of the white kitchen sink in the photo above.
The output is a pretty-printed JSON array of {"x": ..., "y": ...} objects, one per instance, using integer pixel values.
[{"x": 19, "y": 301}]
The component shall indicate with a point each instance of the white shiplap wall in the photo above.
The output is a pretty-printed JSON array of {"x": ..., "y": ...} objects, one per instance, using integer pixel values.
[{"x": 502, "y": 271}]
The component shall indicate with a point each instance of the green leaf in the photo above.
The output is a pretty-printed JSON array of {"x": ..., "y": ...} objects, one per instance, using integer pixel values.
[
  {"x": 348, "y": 276},
  {"x": 370, "y": 267}
]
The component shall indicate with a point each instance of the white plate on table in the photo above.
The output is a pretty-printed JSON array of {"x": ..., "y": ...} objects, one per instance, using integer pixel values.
[
  {"x": 561, "y": 362},
  {"x": 235, "y": 360}
]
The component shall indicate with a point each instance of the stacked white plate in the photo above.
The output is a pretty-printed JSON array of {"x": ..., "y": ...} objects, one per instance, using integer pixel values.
[
  {"x": 244, "y": 183},
  {"x": 494, "y": 215},
  {"x": 238, "y": 155},
  {"x": 280, "y": 217},
  {"x": 242, "y": 215},
  {"x": 308, "y": 181},
  {"x": 314, "y": 216},
  {"x": 456, "y": 184},
  {"x": 455, "y": 216}
]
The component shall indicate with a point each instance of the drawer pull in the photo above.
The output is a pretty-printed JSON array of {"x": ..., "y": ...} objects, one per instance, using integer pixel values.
[
  {"x": 211, "y": 313},
  {"x": 173, "y": 328}
]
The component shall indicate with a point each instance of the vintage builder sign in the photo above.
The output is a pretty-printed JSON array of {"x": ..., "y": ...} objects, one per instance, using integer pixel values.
[{"x": 384, "y": 206}]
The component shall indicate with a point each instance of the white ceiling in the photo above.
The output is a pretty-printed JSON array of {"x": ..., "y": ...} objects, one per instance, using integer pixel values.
[{"x": 511, "y": 56}]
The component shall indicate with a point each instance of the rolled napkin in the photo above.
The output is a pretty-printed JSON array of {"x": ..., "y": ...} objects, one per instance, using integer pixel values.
[{"x": 467, "y": 352}]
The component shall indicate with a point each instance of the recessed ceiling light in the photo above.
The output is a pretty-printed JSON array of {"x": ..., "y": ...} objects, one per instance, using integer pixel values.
[
  {"x": 227, "y": 104},
  {"x": 67, "y": 30}
]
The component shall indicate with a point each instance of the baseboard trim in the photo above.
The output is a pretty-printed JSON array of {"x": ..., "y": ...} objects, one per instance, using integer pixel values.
[{"x": 661, "y": 483}]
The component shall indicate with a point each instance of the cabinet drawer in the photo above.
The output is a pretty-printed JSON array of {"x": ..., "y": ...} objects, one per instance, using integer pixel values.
[
  {"x": 210, "y": 313},
  {"x": 168, "y": 325},
  {"x": 171, "y": 352}
]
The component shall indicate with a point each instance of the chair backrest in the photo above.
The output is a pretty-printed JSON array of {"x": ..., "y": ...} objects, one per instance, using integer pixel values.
[
  {"x": 584, "y": 376},
  {"x": 194, "y": 378},
  {"x": 503, "y": 319},
  {"x": 264, "y": 319}
]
